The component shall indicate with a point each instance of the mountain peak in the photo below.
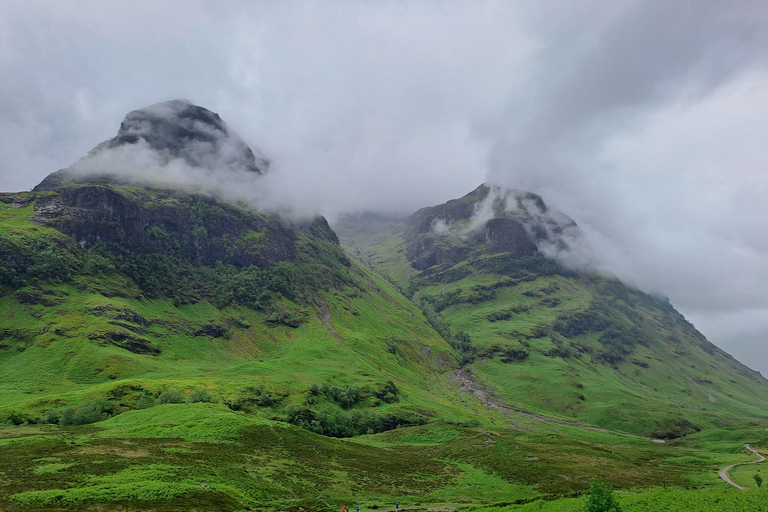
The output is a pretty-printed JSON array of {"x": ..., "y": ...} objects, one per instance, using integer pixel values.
[
  {"x": 174, "y": 141},
  {"x": 180, "y": 129},
  {"x": 493, "y": 219}
]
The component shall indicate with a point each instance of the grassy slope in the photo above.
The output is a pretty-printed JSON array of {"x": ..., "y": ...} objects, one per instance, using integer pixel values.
[
  {"x": 674, "y": 382},
  {"x": 664, "y": 382},
  {"x": 207, "y": 457},
  {"x": 55, "y": 351},
  {"x": 204, "y": 456}
]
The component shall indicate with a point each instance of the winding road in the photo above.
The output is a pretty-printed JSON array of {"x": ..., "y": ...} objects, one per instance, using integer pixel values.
[{"x": 724, "y": 472}]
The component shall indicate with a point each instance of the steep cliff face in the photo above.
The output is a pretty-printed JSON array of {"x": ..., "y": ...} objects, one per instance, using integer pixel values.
[
  {"x": 196, "y": 226},
  {"x": 488, "y": 220}
]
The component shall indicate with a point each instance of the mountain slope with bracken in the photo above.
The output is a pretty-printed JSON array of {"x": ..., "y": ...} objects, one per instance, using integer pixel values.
[
  {"x": 166, "y": 346},
  {"x": 510, "y": 283}
]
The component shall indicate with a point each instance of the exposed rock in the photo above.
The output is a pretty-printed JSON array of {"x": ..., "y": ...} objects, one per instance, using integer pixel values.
[
  {"x": 125, "y": 314},
  {"x": 49, "y": 205},
  {"x": 213, "y": 330},
  {"x": 492, "y": 220},
  {"x": 37, "y": 298},
  {"x": 19, "y": 201},
  {"x": 127, "y": 341},
  {"x": 179, "y": 129},
  {"x": 431, "y": 241}
]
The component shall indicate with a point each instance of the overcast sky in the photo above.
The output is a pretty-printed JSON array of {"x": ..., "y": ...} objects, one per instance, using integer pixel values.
[{"x": 646, "y": 122}]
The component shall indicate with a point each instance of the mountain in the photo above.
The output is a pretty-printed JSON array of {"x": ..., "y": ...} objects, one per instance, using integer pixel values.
[
  {"x": 165, "y": 347},
  {"x": 511, "y": 284},
  {"x": 174, "y": 140}
]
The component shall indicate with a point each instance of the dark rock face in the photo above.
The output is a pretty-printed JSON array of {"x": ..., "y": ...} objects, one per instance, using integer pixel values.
[
  {"x": 506, "y": 235},
  {"x": 427, "y": 245},
  {"x": 194, "y": 226},
  {"x": 492, "y": 220},
  {"x": 179, "y": 129},
  {"x": 153, "y": 137}
]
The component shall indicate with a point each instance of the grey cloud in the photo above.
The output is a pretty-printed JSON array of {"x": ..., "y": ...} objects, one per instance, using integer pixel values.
[{"x": 643, "y": 121}]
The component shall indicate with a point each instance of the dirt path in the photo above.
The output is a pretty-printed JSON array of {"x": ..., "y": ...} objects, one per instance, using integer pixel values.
[
  {"x": 469, "y": 385},
  {"x": 724, "y": 472}
]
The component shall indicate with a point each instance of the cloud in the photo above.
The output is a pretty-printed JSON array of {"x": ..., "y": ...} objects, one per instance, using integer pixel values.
[{"x": 643, "y": 121}]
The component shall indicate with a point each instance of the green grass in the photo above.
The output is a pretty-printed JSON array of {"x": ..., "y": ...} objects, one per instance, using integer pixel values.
[
  {"x": 65, "y": 347},
  {"x": 655, "y": 500},
  {"x": 209, "y": 457}
]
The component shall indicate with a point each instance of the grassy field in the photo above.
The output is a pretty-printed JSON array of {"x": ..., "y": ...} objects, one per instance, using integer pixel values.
[{"x": 207, "y": 457}]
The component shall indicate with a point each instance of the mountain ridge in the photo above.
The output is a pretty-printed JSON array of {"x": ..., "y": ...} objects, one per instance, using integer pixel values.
[
  {"x": 163, "y": 347},
  {"x": 517, "y": 314}
]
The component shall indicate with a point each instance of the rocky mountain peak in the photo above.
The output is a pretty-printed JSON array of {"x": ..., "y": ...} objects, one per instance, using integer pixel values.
[
  {"x": 179, "y": 129},
  {"x": 174, "y": 141},
  {"x": 493, "y": 219}
]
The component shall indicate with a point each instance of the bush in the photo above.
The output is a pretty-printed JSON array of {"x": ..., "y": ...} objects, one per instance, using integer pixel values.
[
  {"x": 199, "y": 395},
  {"x": 332, "y": 423},
  {"x": 170, "y": 396},
  {"x": 145, "y": 402},
  {"x": 346, "y": 396},
  {"x": 600, "y": 499},
  {"x": 463, "y": 345},
  {"x": 89, "y": 412},
  {"x": 24, "y": 258}
]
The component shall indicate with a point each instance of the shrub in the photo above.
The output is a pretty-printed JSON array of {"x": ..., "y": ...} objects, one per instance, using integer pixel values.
[
  {"x": 89, "y": 412},
  {"x": 332, "y": 423},
  {"x": 199, "y": 395},
  {"x": 600, "y": 499},
  {"x": 346, "y": 396},
  {"x": 170, "y": 396},
  {"x": 145, "y": 402},
  {"x": 50, "y": 417}
]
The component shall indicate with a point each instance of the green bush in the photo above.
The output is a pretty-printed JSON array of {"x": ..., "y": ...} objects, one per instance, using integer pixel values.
[
  {"x": 89, "y": 412},
  {"x": 24, "y": 258},
  {"x": 145, "y": 402},
  {"x": 334, "y": 423},
  {"x": 600, "y": 499},
  {"x": 170, "y": 396},
  {"x": 199, "y": 395},
  {"x": 346, "y": 396}
]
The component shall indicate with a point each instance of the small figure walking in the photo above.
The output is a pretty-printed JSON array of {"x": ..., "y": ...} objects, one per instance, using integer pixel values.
[
  {"x": 357, "y": 509},
  {"x": 343, "y": 508},
  {"x": 397, "y": 505}
]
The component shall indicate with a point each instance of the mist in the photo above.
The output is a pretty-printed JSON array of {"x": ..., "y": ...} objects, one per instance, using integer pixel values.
[{"x": 644, "y": 122}]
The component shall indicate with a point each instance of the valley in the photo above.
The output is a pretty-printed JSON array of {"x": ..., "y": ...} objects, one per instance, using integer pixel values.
[{"x": 163, "y": 347}]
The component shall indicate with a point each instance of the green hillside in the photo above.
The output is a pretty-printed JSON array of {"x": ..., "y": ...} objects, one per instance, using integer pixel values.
[
  {"x": 165, "y": 349},
  {"x": 128, "y": 321},
  {"x": 541, "y": 337},
  {"x": 199, "y": 456}
]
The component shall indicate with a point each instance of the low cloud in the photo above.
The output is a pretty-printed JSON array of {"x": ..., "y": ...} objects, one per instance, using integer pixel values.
[{"x": 643, "y": 121}]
